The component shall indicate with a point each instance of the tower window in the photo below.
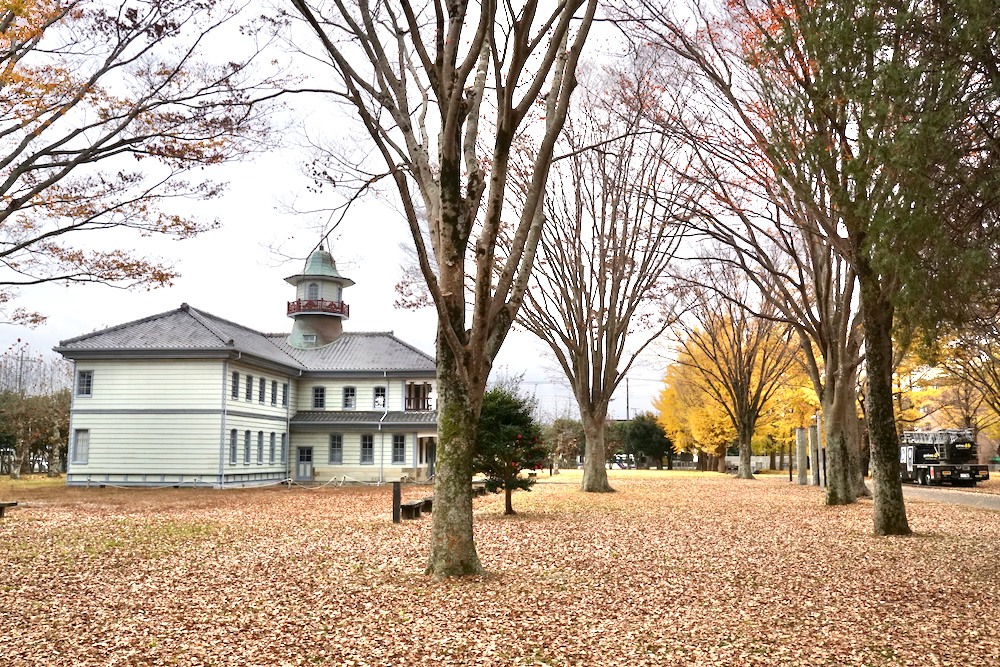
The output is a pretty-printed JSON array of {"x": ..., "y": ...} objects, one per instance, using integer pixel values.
[
  {"x": 308, "y": 338},
  {"x": 312, "y": 291}
]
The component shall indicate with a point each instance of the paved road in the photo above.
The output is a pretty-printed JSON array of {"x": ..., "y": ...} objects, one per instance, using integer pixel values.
[{"x": 953, "y": 496}]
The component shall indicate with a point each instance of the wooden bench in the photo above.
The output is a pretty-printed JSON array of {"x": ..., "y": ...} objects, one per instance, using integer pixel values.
[
  {"x": 4, "y": 506},
  {"x": 428, "y": 504},
  {"x": 411, "y": 509},
  {"x": 478, "y": 490}
]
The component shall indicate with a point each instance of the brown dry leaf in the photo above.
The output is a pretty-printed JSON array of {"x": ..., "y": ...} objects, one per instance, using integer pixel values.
[{"x": 673, "y": 569}]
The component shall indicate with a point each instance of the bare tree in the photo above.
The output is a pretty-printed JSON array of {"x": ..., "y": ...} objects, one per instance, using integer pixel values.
[
  {"x": 34, "y": 407},
  {"x": 600, "y": 292},
  {"x": 108, "y": 110},
  {"x": 427, "y": 80},
  {"x": 739, "y": 358},
  {"x": 913, "y": 183}
]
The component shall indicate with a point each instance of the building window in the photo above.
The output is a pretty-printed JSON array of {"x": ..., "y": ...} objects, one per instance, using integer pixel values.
[
  {"x": 81, "y": 446},
  {"x": 261, "y": 390},
  {"x": 270, "y": 458},
  {"x": 84, "y": 383},
  {"x": 336, "y": 448},
  {"x": 232, "y": 447},
  {"x": 260, "y": 447},
  {"x": 350, "y": 398},
  {"x": 368, "y": 448},
  {"x": 274, "y": 392},
  {"x": 308, "y": 338},
  {"x": 249, "y": 387},
  {"x": 246, "y": 448},
  {"x": 284, "y": 394},
  {"x": 312, "y": 291},
  {"x": 236, "y": 386},
  {"x": 380, "y": 398},
  {"x": 319, "y": 398},
  {"x": 398, "y": 449},
  {"x": 284, "y": 448}
]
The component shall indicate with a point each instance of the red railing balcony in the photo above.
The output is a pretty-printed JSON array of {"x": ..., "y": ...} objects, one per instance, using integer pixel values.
[
  {"x": 418, "y": 404},
  {"x": 319, "y": 306}
]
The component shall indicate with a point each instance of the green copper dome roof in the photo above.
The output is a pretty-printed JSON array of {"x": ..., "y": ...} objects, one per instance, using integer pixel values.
[{"x": 320, "y": 264}]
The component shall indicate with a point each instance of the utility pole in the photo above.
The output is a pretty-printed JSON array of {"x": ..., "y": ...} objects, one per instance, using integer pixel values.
[{"x": 628, "y": 414}]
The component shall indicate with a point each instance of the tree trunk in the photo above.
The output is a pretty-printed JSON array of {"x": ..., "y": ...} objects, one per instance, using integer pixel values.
[
  {"x": 720, "y": 463},
  {"x": 17, "y": 461},
  {"x": 53, "y": 470},
  {"x": 745, "y": 471},
  {"x": 889, "y": 514},
  {"x": 452, "y": 548},
  {"x": 781, "y": 457},
  {"x": 670, "y": 461},
  {"x": 861, "y": 454},
  {"x": 841, "y": 464},
  {"x": 773, "y": 460},
  {"x": 508, "y": 508},
  {"x": 595, "y": 475}
]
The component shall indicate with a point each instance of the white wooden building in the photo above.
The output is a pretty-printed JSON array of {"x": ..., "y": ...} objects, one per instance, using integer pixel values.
[{"x": 187, "y": 398}]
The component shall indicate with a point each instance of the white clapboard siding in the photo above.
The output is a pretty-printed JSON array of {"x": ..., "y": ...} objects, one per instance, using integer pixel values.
[
  {"x": 255, "y": 406},
  {"x": 150, "y": 444},
  {"x": 352, "y": 468},
  {"x": 364, "y": 391},
  {"x": 151, "y": 384}
]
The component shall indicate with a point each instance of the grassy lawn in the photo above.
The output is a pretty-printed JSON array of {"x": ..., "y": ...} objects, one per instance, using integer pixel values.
[{"x": 674, "y": 569}]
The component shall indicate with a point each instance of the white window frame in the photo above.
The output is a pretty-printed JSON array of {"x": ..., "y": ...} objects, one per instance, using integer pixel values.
[
  {"x": 367, "y": 439},
  {"x": 311, "y": 290},
  {"x": 353, "y": 404},
  {"x": 284, "y": 394},
  {"x": 89, "y": 384},
  {"x": 319, "y": 398},
  {"x": 398, "y": 446},
  {"x": 284, "y": 448},
  {"x": 81, "y": 455},
  {"x": 262, "y": 388},
  {"x": 271, "y": 451},
  {"x": 246, "y": 447},
  {"x": 250, "y": 388},
  {"x": 235, "y": 393},
  {"x": 260, "y": 448},
  {"x": 233, "y": 455},
  {"x": 274, "y": 392},
  {"x": 338, "y": 440},
  {"x": 308, "y": 338},
  {"x": 384, "y": 397}
]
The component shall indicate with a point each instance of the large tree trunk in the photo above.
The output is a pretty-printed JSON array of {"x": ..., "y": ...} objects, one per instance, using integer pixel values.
[
  {"x": 720, "y": 463},
  {"x": 841, "y": 462},
  {"x": 889, "y": 509},
  {"x": 745, "y": 471},
  {"x": 452, "y": 548},
  {"x": 595, "y": 475}
]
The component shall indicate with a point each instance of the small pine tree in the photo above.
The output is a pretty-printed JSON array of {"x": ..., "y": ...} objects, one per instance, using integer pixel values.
[{"x": 509, "y": 441}]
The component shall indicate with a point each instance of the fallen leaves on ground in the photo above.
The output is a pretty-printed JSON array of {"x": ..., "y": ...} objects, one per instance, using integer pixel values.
[{"x": 672, "y": 569}]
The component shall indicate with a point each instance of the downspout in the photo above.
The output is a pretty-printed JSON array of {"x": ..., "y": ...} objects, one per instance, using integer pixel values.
[
  {"x": 222, "y": 428},
  {"x": 288, "y": 431},
  {"x": 381, "y": 434}
]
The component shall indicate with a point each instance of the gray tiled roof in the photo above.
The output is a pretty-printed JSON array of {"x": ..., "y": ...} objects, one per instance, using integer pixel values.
[
  {"x": 379, "y": 351},
  {"x": 190, "y": 329},
  {"x": 363, "y": 417}
]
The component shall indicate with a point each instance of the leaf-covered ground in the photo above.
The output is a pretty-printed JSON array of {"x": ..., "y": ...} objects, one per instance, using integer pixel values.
[{"x": 673, "y": 569}]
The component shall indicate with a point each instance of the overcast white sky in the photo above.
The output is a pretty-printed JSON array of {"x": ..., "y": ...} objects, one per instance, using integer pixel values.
[{"x": 232, "y": 272}]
